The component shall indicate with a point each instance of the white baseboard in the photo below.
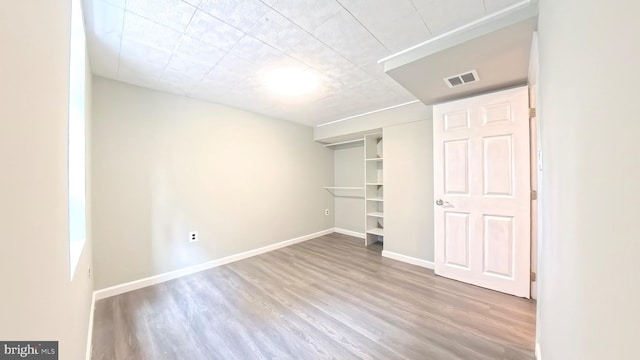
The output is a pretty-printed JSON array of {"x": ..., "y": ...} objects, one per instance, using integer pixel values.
[
  {"x": 90, "y": 330},
  {"x": 538, "y": 352},
  {"x": 350, "y": 233},
  {"x": 408, "y": 259},
  {"x": 138, "y": 284}
]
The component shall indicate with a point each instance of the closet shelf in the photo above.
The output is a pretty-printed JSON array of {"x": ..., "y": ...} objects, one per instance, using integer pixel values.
[
  {"x": 374, "y": 159},
  {"x": 375, "y": 199},
  {"x": 376, "y": 231},
  {"x": 345, "y": 143},
  {"x": 344, "y": 187},
  {"x": 375, "y": 214},
  {"x": 374, "y": 183}
]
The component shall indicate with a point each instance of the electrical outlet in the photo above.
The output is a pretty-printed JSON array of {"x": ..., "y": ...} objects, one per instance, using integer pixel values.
[
  {"x": 326, "y": 211},
  {"x": 193, "y": 236}
]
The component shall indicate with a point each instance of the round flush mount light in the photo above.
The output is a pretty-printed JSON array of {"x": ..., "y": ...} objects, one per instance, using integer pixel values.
[{"x": 292, "y": 82}]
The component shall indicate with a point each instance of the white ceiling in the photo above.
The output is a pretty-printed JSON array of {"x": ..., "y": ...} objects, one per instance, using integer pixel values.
[{"x": 221, "y": 50}]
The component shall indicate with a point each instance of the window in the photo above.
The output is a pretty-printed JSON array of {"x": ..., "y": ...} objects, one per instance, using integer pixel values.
[{"x": 77, "y": 150}]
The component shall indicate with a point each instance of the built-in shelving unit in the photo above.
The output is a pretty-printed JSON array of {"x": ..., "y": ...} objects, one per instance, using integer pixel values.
[{"x": 374, "y": 188}]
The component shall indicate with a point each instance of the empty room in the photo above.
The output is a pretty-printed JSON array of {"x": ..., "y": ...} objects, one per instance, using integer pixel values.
[{"x": 319, "y": 179}]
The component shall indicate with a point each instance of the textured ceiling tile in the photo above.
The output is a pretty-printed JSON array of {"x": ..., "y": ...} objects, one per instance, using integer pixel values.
[
  {"x": 136, "y": 55},
  {"x": 495, "y": 5},
  {"x": 262, "y": 55},
  {"x": 279, "y": 32},
  {"x": 419, "y": 4},
  {"x": 395, "y": 23},
  {"x": 138, "y": 74},
  {"x": 171, "y": 87},
  {"x": 103, "y": 54},
  {"x": 230, "y": 72},
  {"x": 175, "y": 14},
  {"x": 198, "y": 51},
  {"x": 353, "y": 78},
  {"x": 147, "y": 32},
  {"x": 119, "y": 3},
  {"x": 308, "y": 14},
  {"x": 242, "y": 14},
  {"x": 444, "y": 15},
  {"x": 195, "y": 3},
  {"x": 103, "y": 17},
  {"x": 378, "y": 10},
  {"x": 212, "y": 31},
  {"x": 188, "y": 67},
  {"x": 176, "y": 76},
  {"x": 176, "y": 82},
  {"x": 401, "y": 33},
  {"x": 321, "y": 57},
  {"x": 358, "y": 46},
  {"x": 377, "y": 71}
]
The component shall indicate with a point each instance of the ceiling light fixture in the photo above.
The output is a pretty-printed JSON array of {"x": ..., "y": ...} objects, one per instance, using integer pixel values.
[{"x": 292, "y": 82}]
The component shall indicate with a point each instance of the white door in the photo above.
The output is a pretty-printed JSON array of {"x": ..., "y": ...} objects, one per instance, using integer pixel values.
[{"x": 482, "y": 191}]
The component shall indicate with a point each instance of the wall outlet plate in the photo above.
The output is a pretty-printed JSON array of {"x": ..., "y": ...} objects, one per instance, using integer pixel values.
[
  {"x": 193, "y": 236},
  {"x": 326, "y": 211}
]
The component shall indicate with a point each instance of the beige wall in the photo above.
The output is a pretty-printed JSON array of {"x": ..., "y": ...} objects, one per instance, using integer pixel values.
[
  {"x": 164, "y": 165},
  {"x": 588, "y": 256},
  {"x": 38, "y": 300},
  {"x": 349, "y": 204},
  {"x": 408, "y": 186}
]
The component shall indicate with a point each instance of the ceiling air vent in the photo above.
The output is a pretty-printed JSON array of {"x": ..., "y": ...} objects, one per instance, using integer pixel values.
[{"x": 462, "y": 79}]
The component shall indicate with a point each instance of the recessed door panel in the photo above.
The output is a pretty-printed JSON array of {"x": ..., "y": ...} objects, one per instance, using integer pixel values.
[
  {"x": 498, "y": 246},
  {"x": 456, "y": 120},
  {"x": 456, "y": 167},
  {"x": 496, "y": 114},
  {"x": 457, "y": 239},
  {"x": 498, "y": 165}
]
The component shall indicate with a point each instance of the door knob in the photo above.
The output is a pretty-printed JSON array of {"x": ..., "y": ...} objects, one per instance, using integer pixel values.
[{"x": 439, "y": 202}]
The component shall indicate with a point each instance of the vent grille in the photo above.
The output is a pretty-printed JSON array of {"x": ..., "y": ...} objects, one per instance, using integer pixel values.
[{"x": 462, "y": 79}]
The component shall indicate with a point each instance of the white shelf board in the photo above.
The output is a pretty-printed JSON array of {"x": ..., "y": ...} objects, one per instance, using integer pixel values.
[
  {"x": 375, "y": 199},
  {"x": 345, "y": 143},
  {"x": 344, "y": 187},
  {"x": 374, "y": 183},
  {"x": 376, "y": 231},
  {"x": 375, "y": 214},
  {"x": 374, "y": 159}
]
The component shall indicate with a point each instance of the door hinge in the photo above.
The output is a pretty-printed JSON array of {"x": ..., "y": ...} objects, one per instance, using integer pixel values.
[
  {"x": 532, "y": 112},
  {"x": 534, "y": 195},
  {"x": 533, "y": 276}
]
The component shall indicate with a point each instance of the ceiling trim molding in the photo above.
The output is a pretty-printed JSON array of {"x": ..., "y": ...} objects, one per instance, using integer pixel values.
[
  {"x": 369, "y": 113},
  {"x": 508, "y": 16}
]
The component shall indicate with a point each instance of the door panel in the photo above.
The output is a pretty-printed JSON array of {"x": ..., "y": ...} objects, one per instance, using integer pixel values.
[
  {"x": 482, "y": 176},
  {"x": 496, "y": 163},
  {"x": 456, "y": 167},
  {"x": 498, "y": 246},
  {"x": 457, "y": 248},
  {"x": 456, "y": 120}
]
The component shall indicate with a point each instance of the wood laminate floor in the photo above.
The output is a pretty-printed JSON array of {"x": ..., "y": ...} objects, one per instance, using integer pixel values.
[{"x": 326, "y": 298}]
